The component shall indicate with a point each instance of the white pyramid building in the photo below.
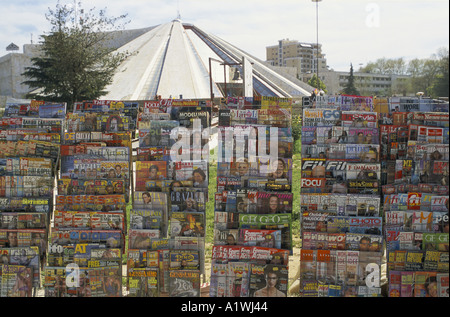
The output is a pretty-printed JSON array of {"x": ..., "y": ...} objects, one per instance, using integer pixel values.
[{"x": 174, "y": 60}]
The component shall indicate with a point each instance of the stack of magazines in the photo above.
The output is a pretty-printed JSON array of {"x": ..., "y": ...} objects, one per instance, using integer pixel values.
[
  {"x": 30, "y": 136},
  {"x": 415, "y": 167},
  {"x": 87, "y": 238},
  {"x": 253, "y": 201},
  {"x": 341, "y": 223},
  {"x": 168, "y": 218}
]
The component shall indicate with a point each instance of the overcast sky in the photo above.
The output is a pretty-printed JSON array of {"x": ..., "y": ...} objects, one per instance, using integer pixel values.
[{"x": 350, "y": 31}]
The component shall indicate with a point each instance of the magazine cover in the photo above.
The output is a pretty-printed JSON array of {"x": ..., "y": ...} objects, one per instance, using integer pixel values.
[
  {"x": 225, "y": 236},
  {"x": 369, "y": 272},
  {"x": 26, "y": 256},
  {"x": 184, "y": 283},
  {"x": 143, "y": 282},
  {"x": 154, "y": 153},
  {"x": 115, "y": 169},
  {"x": 260, "y": 237},
  {"x": 281, "y": 222},
  {"x": 273, "y": 202},
  {"x": 442, "y": 279},
  {"x": 186, "y": 115},
  {"x": 22, "y": 220},
  {"x": 268, "y": 280},
  {"x": 142, "y": 238},
  {"x": 321, "y": 117},
  {"x": 359, "y": 119},
  {"x": 363, "y": 178},
  {"x": 187, "y": 224},
  {"x": 309, "y": 135},
  {"x": 184, "y": 260},
  {"x": 187, "y": 201},
  {"x": 196, "y": 171},
  {"x": 278, "y": 170},
  {"x": 151, "y": 200},
  {"x": 364, "y": 242},
  {"x": 16, "y": 281},
  {"x": 356, "y": 152},
  {"x": 157, "y": 136},
  {"x": 237, "y": 279},
  {"x": 308, "y": 273},
  {"x": 146, "y": 219},
  {"x": 142, "y": 258},
  {"x": 111, "y": 238}
]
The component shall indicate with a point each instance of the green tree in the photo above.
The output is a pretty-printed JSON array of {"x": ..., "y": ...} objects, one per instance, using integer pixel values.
[
  {"x": 440, "y": 85},
  {"x": 75, "y": 63},
  {"x": 386, "y": 66},
  {"x": 350, "y": 88},
  {"x": 313, "y": 83}
]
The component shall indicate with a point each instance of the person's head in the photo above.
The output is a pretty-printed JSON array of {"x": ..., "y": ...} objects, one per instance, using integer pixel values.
[
  {"x": 146, "y": 198},
  {"x": 242, "y": 206},
  {"x": 118, "y": 188},
  {"x": 271, "y": 276},
  {"x": 374, "y": 246},
  {"x": 113, "y": 124},
  {"x": 364, "y": 244},
  {"x": 279, "y": 169},
  {"x": 436, "y": 155},
  {"x": 190, "y": 203},
  {"x": 175, "y": 184},
  {"x": 273, "y": 203},
  {"x": 242, "y": 167},
  {"x": 371, "y": 156},
  {"x": 111, "y": 173},
  {"x": 358, "y": 122},
  {"x": 198, "y": 175},
  {"x": 431, "y": 286},
  {"x": 90, "y": 189},
  {"x": 153, "y": 172},
  {"x": 360, "y": 138},
  {"x": 230, "y": 239},
  {"x": 109, "y": 189}
]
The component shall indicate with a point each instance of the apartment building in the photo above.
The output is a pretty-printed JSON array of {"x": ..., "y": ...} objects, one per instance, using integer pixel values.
[
  {"x": 367, "y": 84},
  {"x": 302, "y": 56}
]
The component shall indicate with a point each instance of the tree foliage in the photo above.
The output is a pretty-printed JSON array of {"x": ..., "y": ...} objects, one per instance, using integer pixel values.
[
  {"x": 386, "y": 66},
  {"x": 440, "y": 84},
  {"x": 429, "y": 75},
  {"x": 313, "y": 83},
  {"x": 75, "y": 63},
  {"x": 350, "y": 88}
]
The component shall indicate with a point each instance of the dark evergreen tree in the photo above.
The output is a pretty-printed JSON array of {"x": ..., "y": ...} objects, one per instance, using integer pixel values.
[{"x": 350, "y": 88}]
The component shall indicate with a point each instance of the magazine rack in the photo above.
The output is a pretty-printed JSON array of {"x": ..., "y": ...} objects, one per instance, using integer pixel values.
[
  {"x": 415, "y": 194},
  {"x": 29, "y": 147},
  {"x": 253, "y": 201},
  {"x": 339, "y": 203},
  {"x": 89, "y": 226},
  {"x": 373, "y": 200},
  {"x": 341, "y": 223},
  {"x": 166, "y": 252}
]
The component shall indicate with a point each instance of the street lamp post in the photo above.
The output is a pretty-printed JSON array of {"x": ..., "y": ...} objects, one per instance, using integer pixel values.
[{"x": 317, "y": 40}]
